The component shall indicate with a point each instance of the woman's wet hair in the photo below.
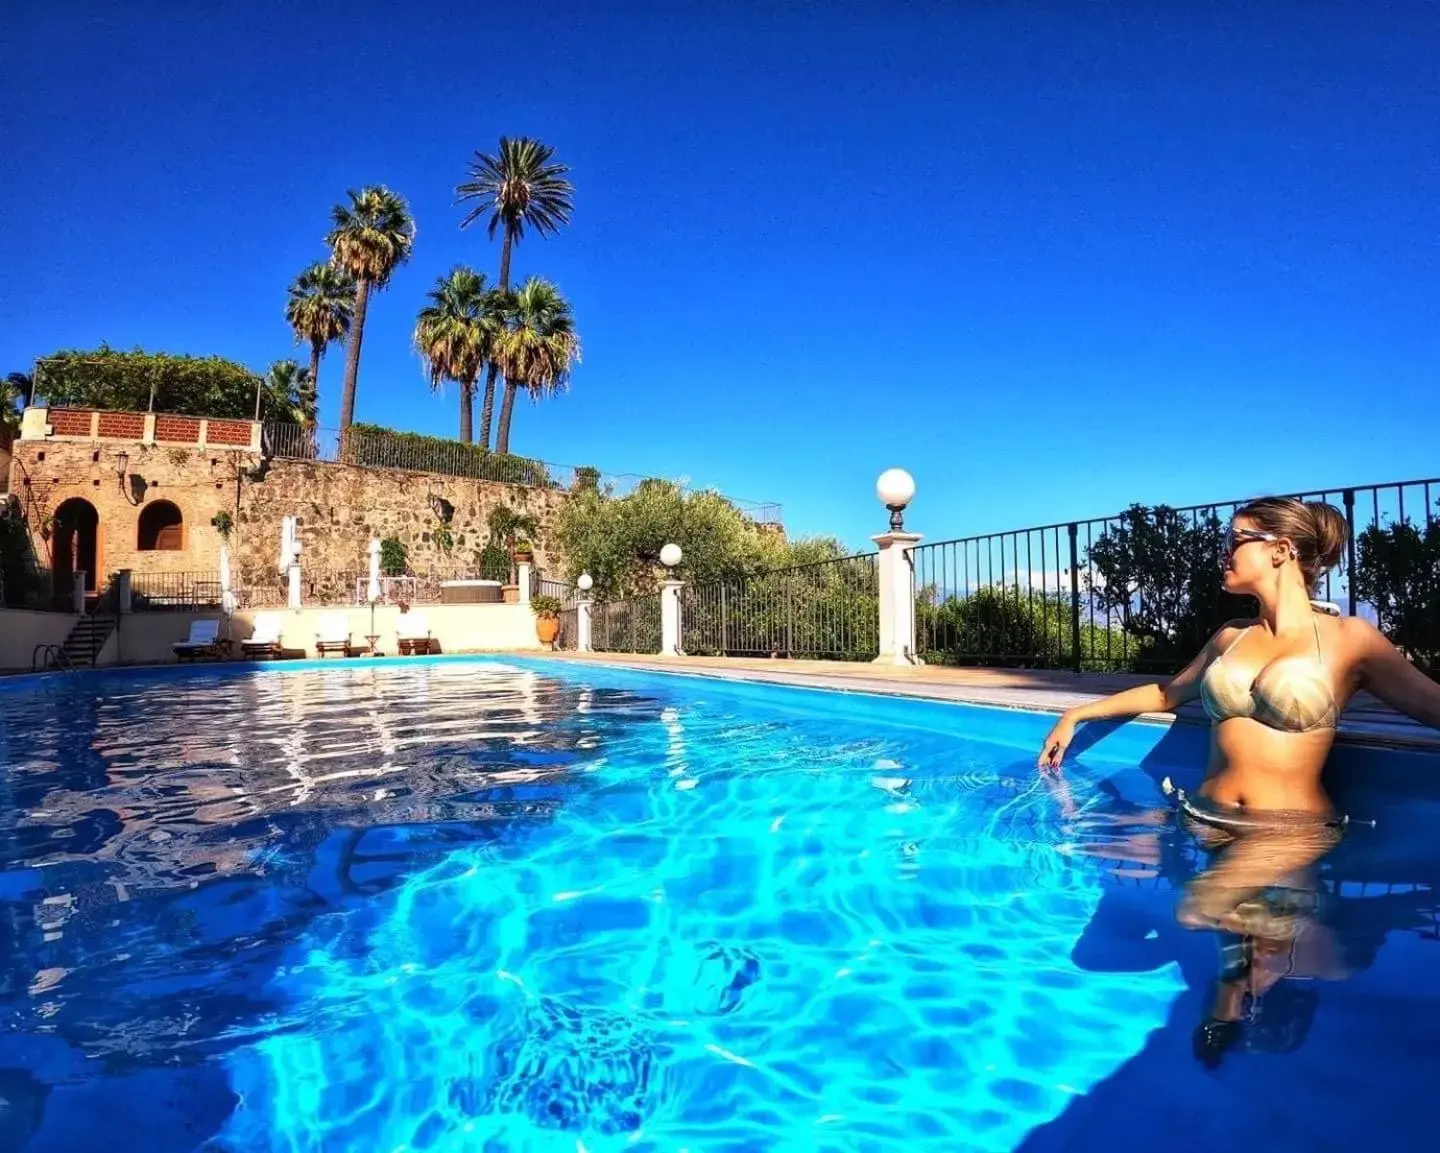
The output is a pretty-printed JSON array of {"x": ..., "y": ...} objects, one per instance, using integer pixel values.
[{"x": 1318, "y": 530}]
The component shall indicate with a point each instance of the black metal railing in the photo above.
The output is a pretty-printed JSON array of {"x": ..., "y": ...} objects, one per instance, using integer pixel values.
[
  {"x": 563, "y": 591},
  {"x": 1142, "y": 590},
  {"x": 174, "y": 591},
  {"x": 631, "y": 625},
  {"x": 569, "y": 629},
  {"x": 826, "y": 610}
]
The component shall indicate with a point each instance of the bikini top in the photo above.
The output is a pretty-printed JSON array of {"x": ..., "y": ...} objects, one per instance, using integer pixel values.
[{"x": 1292, "y": 694}]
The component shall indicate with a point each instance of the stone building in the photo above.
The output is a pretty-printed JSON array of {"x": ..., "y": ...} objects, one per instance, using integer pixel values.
[{"x": 105, "y": 491}]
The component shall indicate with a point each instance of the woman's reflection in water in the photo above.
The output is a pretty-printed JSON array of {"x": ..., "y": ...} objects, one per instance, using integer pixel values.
[{"x": 1255, "y": 884}]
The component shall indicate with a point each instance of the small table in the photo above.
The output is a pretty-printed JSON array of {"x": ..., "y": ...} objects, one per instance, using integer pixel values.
[{"x": 372, "y": 641}]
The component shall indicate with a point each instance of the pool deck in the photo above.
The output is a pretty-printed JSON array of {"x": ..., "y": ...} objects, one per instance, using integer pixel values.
[{"x": 1366, "y": 720}]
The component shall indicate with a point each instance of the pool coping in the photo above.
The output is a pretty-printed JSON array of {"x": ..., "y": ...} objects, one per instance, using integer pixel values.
[{"x": 843, "y": 677}]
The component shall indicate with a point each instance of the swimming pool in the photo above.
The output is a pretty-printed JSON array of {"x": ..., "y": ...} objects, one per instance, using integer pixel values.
[{"x": 482, "y": 904}]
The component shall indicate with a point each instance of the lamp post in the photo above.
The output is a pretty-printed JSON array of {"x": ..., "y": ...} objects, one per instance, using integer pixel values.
[
  {"x": 670, "y": 556},
  {"x": 583, "y": 644},
  {"x": 895, "y": 569},
  {"x": 896, "y": 489}
]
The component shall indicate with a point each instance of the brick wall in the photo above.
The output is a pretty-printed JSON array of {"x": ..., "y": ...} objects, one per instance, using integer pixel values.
[
  {"x": 121, "y": 425},
  {"x": 70, "y": 421},
  {"x": 234, "y": 432},
  {"x": 339, "y": 507},
  {"x": 176, "y": 429}
]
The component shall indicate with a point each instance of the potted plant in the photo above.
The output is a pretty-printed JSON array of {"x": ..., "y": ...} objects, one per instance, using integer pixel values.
[
  {"x": 547, "y": 618},
  {"x": 523, "y": 552}
]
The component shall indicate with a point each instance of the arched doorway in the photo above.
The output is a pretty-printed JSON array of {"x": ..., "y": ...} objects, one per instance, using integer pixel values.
[
  {"x": 161, "y": 528},
  {"x": 75, "y": 544}
]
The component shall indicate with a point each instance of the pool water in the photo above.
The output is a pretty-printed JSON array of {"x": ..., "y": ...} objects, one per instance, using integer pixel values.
[{"x": 487, "y": 905}]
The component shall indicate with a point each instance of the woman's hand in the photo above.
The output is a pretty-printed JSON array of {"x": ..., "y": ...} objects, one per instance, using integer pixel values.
[{"x": 1053, "y": 750}]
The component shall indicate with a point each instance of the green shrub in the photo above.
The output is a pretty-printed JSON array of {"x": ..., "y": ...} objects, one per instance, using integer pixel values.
[
  {"x": 377, "y": 447},
  {"x": 392, "y": 557},
  {"x": 1397, "y": 569}
]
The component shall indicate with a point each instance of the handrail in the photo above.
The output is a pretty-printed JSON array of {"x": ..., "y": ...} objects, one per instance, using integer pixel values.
[{"x": 51, "y": 652}]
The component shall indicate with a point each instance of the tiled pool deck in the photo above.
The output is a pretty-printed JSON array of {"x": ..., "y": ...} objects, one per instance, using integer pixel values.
[{"x": 1366, "y": 720}]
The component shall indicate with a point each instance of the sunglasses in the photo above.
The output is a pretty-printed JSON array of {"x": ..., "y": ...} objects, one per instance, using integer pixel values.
[{"x": 1238, "y": 536}]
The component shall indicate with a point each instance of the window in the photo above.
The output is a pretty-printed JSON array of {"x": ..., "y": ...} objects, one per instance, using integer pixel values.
[{"x": 161, "y": 528}]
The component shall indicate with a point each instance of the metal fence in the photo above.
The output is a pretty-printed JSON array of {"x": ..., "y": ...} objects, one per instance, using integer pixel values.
[
  {"x": 410, "y": 452},
  {"x": 1143, "y": 591},
  {"x": 626, "y": 626},
  {"x": 829, "y": 609},
  {"x": 174, "y": 591}
]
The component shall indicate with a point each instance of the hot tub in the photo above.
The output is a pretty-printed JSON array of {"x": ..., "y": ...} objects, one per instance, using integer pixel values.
[{"x": 470, "y": 592}]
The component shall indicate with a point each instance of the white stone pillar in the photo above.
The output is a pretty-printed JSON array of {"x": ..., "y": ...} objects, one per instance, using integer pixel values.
[
  {"x": 124, "y": 596},
  {"x": 35, "y": 424},
  {"x": 670, "y": 617},
  {"x": 896, "y": 565},
  {"x": 77, "y": 591},
  {"x": 583, "y": 642},
  {"x": 522, "y": 578}
]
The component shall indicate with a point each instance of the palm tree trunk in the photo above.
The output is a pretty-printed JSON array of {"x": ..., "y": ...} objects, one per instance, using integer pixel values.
[
  {"x": 352, "y": 355},
  {"x": 505, "y": 261},
  {"x": 502, "y": 438},
  {"x": 315, "y": 374},
  {"x": 467, "y": 411},
  {"x": 487, "y": 407}
]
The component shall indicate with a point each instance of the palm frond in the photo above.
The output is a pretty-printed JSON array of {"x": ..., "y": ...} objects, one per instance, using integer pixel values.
[
  {"x": 539, "y": 347},
  {"x": 455, "y": 332},
  {"x": 520, "y": 186},
  {"x": 372, "y": 235},
  {"x": 321, "y": 305}
]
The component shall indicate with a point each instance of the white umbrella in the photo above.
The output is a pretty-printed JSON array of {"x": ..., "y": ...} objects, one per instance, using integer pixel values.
[
  {"x": 373, "y": 593},
  {"x": 227, "y": 597}
]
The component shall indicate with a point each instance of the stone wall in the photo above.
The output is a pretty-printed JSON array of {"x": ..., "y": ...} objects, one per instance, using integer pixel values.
[{"x": 339, "y": 508}]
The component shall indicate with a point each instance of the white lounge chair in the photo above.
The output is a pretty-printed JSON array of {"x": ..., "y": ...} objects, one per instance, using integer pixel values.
[
  {"x": 413, "y": 634},
  {"x": 334, "y": 635},
  {"x": 203, "y": 641},
  {"x": 264, "y": 637}
]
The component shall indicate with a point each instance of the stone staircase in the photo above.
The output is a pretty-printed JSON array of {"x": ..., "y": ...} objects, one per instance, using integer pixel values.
[{"x": 87, "y": 638}]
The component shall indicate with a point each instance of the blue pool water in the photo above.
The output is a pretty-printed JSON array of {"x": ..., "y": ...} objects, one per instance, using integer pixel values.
[{"x": 479, "y": 905}]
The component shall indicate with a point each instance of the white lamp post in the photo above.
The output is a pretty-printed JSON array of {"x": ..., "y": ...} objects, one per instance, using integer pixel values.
[
  {"x": 896, "y": 489},
  {"x": 670, "y": 556},
  {"x": 293, "y": 572},
  {"x": 895, "y": 567},
  {"x": 583, "y": 643}
]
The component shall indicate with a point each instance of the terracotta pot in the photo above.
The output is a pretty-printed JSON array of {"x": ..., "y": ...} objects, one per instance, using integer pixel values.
[
  {"x": 524, "y": 557},
  {"x": 511, "y": 593},
  {"x": 547, "y": 628}
]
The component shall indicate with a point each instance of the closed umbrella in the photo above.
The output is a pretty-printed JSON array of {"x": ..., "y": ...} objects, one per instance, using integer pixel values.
[{"x": 227, "y": 597}]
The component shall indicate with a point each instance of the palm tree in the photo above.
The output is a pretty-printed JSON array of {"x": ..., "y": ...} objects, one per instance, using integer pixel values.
[
  {"x": 15, "y": 393},
  {"x": 289, "y": 393},
  {"x": 322, "y": 301},
  {"x": 455, "y": 335},
  {"x": 521, "y": 185},
  {"x": 537, "y": 349},
  {"x": 372, "y": 236}
]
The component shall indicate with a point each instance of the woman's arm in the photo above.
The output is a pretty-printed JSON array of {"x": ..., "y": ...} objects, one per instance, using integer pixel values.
[
  {"x": 1385, "y": 672},
  {"x": 1152, "y": 698}
]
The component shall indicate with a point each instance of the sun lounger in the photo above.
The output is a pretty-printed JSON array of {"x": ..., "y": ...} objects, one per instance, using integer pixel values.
[
  {"x": 265, "y": 637},
  {"x": 334, "y": 635},
  {"x": 413, "y": 634},
  {"x": 203, "y": 641}
]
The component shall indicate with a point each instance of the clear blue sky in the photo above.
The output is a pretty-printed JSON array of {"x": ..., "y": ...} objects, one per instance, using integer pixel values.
[{"x": 1052, "y": 257}]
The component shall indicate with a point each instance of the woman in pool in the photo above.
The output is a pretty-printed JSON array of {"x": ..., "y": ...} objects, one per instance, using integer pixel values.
[{"x": 1274, "y": 687}]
